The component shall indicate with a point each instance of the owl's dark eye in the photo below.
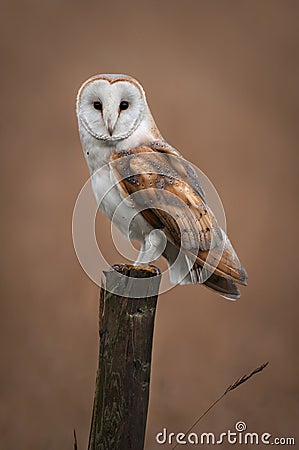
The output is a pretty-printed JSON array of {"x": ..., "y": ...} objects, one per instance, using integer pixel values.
[
  {"x": 123, "y": 105},
  {"x": 97, "y": 105}
]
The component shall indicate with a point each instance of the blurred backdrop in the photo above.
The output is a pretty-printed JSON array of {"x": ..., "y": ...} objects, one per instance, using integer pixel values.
[{"x": 222, "y": 82}]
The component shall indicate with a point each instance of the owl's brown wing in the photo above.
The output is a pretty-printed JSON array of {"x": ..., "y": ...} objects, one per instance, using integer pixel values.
[{"x": 167, "y": 192}]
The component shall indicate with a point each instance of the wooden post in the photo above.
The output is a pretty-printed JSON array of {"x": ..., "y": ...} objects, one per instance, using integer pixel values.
[{"x": 123, "y": 378}]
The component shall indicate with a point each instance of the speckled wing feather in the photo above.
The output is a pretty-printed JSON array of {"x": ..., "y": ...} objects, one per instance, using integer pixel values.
[{"x": 168, "y": 194}]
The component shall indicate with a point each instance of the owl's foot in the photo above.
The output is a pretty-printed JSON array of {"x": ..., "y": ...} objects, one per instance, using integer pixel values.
[{"x": 136, "y": 270}]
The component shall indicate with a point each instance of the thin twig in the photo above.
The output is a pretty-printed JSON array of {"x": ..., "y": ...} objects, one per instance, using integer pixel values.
[
  {"x": 233, "y": 386},
  {"x": 75, "y": 440},
  {"x": 245, "y": 378}
]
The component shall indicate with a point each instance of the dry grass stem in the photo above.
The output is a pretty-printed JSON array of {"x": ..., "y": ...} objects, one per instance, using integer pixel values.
[
  {"x": 230, "y": 388},
  {"x": 75, "y": 441}
]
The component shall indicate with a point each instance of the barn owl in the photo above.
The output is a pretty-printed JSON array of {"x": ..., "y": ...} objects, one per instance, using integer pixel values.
[{"x": 132, "y": 165}]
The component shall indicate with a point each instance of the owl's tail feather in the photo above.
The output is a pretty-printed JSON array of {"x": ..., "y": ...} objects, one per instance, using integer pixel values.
[
  {"x": 221, "y": 285},
  {"x": 183, "y": 271},
  {"x": 223, "y": 261}
]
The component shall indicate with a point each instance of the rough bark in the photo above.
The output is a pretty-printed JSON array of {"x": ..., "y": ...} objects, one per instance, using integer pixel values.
[{"x": 123, "y": 378}]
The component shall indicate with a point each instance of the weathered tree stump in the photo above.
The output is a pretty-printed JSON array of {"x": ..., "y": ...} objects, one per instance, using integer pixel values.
[{"x": 123, "y": 378}]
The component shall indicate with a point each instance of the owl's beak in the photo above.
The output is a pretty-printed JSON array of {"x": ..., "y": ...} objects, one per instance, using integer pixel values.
[
  {"x": 110, "y": 122},
  {"x": 110, "y": 128}
]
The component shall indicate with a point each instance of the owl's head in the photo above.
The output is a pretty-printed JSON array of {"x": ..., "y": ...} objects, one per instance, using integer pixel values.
[{"x": 110, "y": 107}]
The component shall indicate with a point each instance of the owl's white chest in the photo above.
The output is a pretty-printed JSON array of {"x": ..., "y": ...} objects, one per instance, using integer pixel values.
[{"x": 120, "y": 210}]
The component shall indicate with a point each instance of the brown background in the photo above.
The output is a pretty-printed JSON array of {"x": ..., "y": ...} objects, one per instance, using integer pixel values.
[{"x": 222, "y": 81}]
